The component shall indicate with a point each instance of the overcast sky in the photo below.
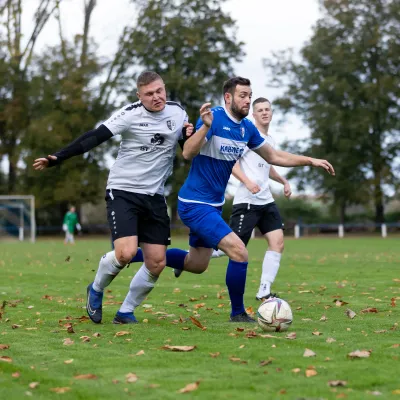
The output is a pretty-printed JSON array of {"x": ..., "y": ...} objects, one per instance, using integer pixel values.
[{"x": 263, "y": 25}]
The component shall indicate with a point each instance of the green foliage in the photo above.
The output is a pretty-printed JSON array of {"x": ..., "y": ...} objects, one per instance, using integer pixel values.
[{"x": 346, "y": 87}]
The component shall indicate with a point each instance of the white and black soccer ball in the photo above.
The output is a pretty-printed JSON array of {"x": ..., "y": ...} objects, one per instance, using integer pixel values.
[{"x": 274, "y": 315}]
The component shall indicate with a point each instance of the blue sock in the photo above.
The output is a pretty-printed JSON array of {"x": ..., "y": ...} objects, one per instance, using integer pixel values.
[
  {"x": 236, "y": 282},
  {"x": 138, "y": 257},
  {"x": 176, "y": 258}
]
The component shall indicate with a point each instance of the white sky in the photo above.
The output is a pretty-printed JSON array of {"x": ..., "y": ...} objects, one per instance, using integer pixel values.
[{"x": 263, "y": 25}]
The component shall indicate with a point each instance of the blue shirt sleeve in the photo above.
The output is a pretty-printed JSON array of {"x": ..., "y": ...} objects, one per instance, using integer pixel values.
[
  {"x": 255, "y": 139},
  {"x": 199, "y": 124}
]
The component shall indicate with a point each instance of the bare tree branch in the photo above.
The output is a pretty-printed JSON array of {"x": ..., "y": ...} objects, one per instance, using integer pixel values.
[
  {"x": 60, "y": 31},
  {"x": 89, "y": 7}
]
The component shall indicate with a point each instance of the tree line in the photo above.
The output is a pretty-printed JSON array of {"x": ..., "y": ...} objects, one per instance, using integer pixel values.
[{"x": 345, "y": 87}]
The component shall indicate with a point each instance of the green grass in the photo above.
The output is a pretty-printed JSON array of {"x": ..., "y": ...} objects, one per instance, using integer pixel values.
[{"x": 314, "y": 272}]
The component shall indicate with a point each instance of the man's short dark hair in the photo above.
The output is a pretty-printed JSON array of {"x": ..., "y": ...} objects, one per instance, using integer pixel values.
[
  {"x": 260, "y": 100},
  {"x": 230, "y": 84},
  {"x": 147, "y": 77}
]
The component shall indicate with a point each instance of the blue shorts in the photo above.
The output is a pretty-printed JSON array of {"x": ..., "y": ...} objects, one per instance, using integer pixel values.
[{"x": 206, "y": 225}]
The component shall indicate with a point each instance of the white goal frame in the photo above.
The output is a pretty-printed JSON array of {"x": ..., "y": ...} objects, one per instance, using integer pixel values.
[{"x": 31, "y": 200}]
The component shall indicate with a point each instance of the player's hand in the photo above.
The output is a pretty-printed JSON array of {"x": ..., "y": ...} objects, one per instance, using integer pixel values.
[
  {"x": 315, "y": 162},
  {"x": 252, "y": 187},
  {"x": 189, "y": 128},
  {"x": 287, "y": 191},
  {"x": 42, "y": 163},
  {"x": 206, "y": 114}
]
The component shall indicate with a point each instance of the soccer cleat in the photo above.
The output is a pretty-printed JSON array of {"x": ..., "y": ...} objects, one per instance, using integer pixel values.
[
  {"x": 265, "y": 297},
  {"x": 94, "y": 304},
  {"x": 243, "y": 317},
  {"x": 124, "y": 318},
  {"x": 178, "y": 272}
]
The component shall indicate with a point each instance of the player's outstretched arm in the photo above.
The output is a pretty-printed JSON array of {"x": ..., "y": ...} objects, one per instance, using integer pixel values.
[
  {"x": 285, "y": 159},
  {"x": 238, "y": 173},
  {"x": 194, "y": 144},
  {"x": 81, "y": 145},
  {"x": 273, "y": 174}
]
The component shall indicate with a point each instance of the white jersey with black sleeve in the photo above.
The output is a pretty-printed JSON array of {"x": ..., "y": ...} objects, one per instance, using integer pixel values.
[
  {"x": 256, "y": 169},
  {"x": 148, "y": 145}
]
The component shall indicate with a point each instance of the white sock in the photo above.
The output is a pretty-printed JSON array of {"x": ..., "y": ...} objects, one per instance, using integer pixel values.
[
  {"x": 141, "y": 285},
  {"x": 270, "y": 267},
  {"x": 217, "y": 253},
  {"x": 109, "y": 268}
]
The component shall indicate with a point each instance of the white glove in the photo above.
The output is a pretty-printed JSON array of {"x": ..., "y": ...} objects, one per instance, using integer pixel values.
[
  {"x": 64, "y": 227},
  {"x": 78, "y": 226}
]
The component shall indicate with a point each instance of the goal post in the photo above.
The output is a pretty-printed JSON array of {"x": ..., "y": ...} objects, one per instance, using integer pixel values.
[{"x": 17, "y": 217}]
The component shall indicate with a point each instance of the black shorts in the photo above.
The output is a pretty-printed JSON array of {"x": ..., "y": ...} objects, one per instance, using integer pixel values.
[
  {"x": 136, "y": 214},
  {"x": 245, "y": 217}
]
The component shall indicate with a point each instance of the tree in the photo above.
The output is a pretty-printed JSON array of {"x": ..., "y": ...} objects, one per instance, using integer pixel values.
[
  {"x": 192, "y": 44},
  {"x": 346, "y": 87}
]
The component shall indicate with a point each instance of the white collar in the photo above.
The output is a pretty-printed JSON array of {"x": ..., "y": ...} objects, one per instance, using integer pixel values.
[{"x": 232, "y": 118}]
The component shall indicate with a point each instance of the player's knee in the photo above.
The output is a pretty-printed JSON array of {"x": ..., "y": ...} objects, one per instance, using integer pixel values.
[
  {"x": 240, "y": 253},
  {"x": 124, "y": 255},
  {"x": 277, "y": 246}
]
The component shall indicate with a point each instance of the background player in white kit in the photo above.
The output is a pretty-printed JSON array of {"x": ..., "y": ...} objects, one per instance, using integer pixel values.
[
  {"x": 253, "y": 204},
  {"x": 136, "y": 207}
]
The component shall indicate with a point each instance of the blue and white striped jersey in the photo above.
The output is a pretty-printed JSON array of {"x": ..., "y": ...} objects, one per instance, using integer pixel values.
[{"x": 212, "y": 167}]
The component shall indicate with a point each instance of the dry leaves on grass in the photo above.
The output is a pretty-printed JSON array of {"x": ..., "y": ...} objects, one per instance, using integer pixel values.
[
  {"x": 369, "y": 310},
  {"x": 237, "y": 359},
  {"x": 85, "y": 376},
  {"x": 337, "y": 383},
  {"x": 310, "y": 372},
  {"x": 122, "y": 333},
  {"x": 4, "y": 346},
  {"x": 15, "y": 374},
  {"x": 190, "y": 387},
  {"x": 316, "y": 333},
  {"x": 323, "y": 318},
  {"x": 5, "y": 359},
  {"x": 340, "y": 303},
  {"x": 291, "y": 336},
  {"x": 395, "y": 346},
  {"x": 70, "y": 361},
  {"x": 60, "y": 389},
  {"x": 34, "y": 385},
  {"x": 393, "y": 301},
  {"x": 67, "y": 342},
  {"x": 309, "y": 353},
  {"x": 350, "y": 313},
  {"x": 359, "y": 354},
  {"x": 140, "y": 353},
  {"x": 330, "y": 340},
  {"x": 197, "y": 323},
  {"x": 264, "y": 363},
  {"x": 15, "y": 326},
  {"x": 215, "y": 355},
  {"x": 131, "y": 378},
  {"x": 85, "y": 338},
  {"x": 96, "y": 334},
  {"x": 178, "y": 348},
  {"x": 296, "y": 370}
]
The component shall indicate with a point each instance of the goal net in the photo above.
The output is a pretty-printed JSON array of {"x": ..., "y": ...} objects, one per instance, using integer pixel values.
[{"x": 17, "y": 218}]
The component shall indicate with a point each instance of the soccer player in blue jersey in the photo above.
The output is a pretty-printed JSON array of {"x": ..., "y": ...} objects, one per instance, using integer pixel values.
[{"x": 221, "y": 137}]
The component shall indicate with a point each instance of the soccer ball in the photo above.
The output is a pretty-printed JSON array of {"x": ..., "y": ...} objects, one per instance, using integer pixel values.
[{"x": 274, "y": 315}]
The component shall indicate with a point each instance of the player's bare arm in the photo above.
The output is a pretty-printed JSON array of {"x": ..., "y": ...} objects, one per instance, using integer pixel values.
[
  {"x": 285, "y": 159},
  {"x": 238, "y": 173},
  {"x": 194, "y": 144},
  {"x": 273, "y": 174},
  {"x": 81, "y": 145}
]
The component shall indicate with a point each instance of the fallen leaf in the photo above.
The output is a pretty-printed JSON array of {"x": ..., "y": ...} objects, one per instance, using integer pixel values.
[
  {"x": 330, "y": 340},
  {"x": 239, "y": 329},
  {"x": 215, "y": 355},
  {"x": 97, "y": 334},
  {"x": 241, "y": 347},
  {"x": 190, "y": 387},
  {"x": 85, "y": 376},
  {"x": 341, "y": 396},
  {"x": 197, "y": 323},
  {"x": 200, "y": 305},
  {"x": 122, "y": 333},
  {"x": 291, "y": 336},
  {"x": 85, "y": 338},
  {"x": 4, "y": 346},
  {"x": 397, "y": 391},
  {"x": 309, "y": 353},
  {"x": 68, "y": 258},
  {"x": 60, "y": 389},
  {"x": 131, "y": 378},
  {"x": 264, "y": 363},
  {"x": 359, "y": 354},
  {"x": 178, "y": 348},
  {"x": 296, "y": 370},
  {"x": 393, "y": 301},
  {"x": 369, "y": 310},
  {"x": 311, "y": 372},
  {"x": 140, "y": 353},
  {"x": 251, "y": 334},
  {"x": 323, "y": 318},
  {"x": 316, "y": 333},
  {"x": 33, "y": 385},
  {"x": 337, "y": 383},
  {"x": 375, "y": 393},
  {"x": 115, "y": 381},
  {"x": 68, "y": 342},
  {"x": 15, "y": 326},
  {"x": 396, "y": 345},
  {"x": 6, "y": 359},
  {"x": 235, "y": 359},
  {"x": 381, "y": 331},
  {"x": 339, "y": 303},
  {"x": 69, "y": 361},
  {"x": 350, "y": 313},
  {"x": 250, "y": 310},
  {"x": 282, "y": 391}
]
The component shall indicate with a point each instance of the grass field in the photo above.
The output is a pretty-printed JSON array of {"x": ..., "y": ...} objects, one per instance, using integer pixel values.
[{"x": 44, "y": 286}]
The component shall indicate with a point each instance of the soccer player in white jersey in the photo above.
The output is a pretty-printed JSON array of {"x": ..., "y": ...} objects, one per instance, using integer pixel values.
[
  {"x": 221, "y": 137},
  {"x": 253, "y": 204},
  {"x": 136, "y": 207}
]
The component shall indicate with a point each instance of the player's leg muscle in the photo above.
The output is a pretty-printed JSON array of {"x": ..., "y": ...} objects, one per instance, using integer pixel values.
[
  {"x": 275, "y": 240},
  {"x": 125, "y": 249},
  {"x": 233, "y": 247},
  {"x": 154, "y": 257}
]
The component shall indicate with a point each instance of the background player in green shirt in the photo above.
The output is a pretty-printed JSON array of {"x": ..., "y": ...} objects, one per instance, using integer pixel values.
[{"x": 69, "y": 224}]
